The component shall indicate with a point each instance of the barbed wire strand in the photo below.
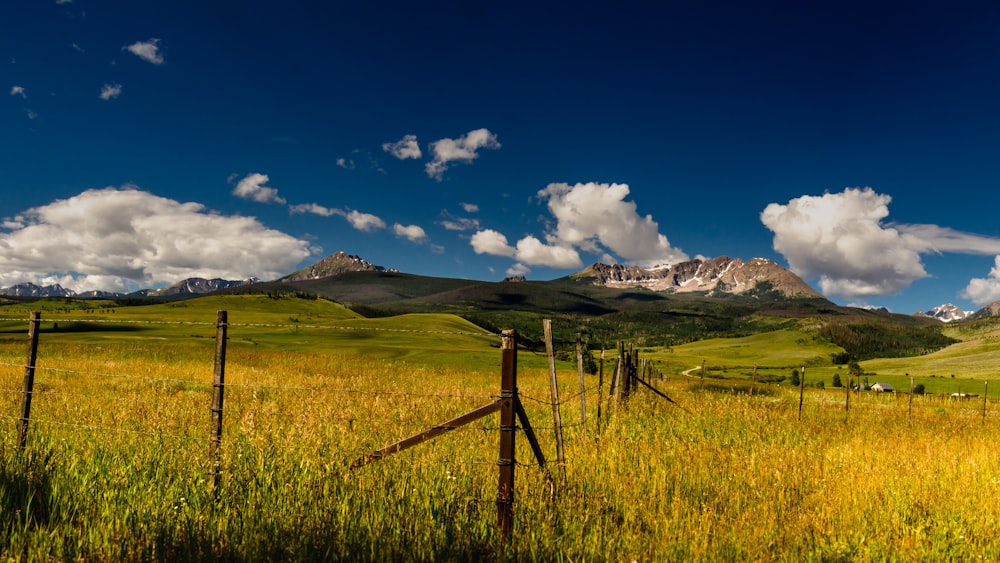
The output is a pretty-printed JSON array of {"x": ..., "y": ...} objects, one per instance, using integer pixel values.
[{"x": 111, "y": 428}]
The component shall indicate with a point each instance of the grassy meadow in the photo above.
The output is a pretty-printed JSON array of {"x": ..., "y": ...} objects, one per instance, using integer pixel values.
[{"x": 117, "y": 464}]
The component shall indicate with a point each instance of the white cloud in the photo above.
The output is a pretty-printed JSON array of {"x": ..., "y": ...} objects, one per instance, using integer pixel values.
[
  {"x": 593, "y": 218},
  {"x": 491, "y": 242},
  {"x": 111, "y": 91},
  {"x": 453, "y": 223},
  {"x": 252, "y": 187},
  {"x": 518, "y": 270},
  {"x": 31, "y": 114},
  {"x": 462, "y": 149},
  {"x": 148, "y": 51},
  {"x": 120, "y": 237},
  {"x": 315, "y": 209},
  {"x": 529, "y": 250},
  {"x": 413, "y": 233},
  {"x": 404, "y": 148},
  {"x": 18, "y": 91},
  {"x": 364, "y": 221},
  {"x": 470, "y": 207},
  {"x": 983, "y": 291},
  {"x": 361, "y": 221},
  {"x": 534, "y": 252},
  {"x": 595, "y": 215},
  {"x": 841, "y": 240},
  {"x": 345, "y": 163}
]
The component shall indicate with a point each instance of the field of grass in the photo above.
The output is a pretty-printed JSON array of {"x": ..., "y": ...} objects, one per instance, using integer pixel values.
[{"x": 117, "y": 465}]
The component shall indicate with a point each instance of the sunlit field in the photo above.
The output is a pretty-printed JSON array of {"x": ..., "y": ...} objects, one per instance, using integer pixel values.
[{"x": 117, "y": 463}]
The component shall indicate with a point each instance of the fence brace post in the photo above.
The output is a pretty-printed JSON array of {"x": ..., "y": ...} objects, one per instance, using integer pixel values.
[
  {"x": 508, "y": 388},
  {"x": 29, "y": 378},
  {"x": 218, "y": 390}
]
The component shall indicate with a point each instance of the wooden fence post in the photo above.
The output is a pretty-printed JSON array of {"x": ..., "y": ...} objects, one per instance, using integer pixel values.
[
  {"x": 600, "y": 389},
  {"x": 29, "y": 378},
  {"x": 554, "y": 396},
  {"x": 701, "y": 389},
  {"x": 911, "y": 396},
  {"x": 218, "y": 390},
  {"x": 847, "y": 395},
  {"x": 986, "y": 388},
  {"x": 583, "y": 388},
  {"x": 802, "y": 386},
  {"x": 508, "y": 387}
]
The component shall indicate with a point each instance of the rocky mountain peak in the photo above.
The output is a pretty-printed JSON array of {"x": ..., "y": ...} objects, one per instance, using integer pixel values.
[
  {"x": 333, "y": 265},
  {"x": 722, "y": 274},
  {"x": 945, "y": 313}
]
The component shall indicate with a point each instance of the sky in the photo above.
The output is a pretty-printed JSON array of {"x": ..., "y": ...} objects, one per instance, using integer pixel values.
[{"x": 854, "y": 143}]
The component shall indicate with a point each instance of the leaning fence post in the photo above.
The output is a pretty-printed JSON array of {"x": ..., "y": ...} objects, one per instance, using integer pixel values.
[
  {"x": 218, "y": 389},
  {"x": 29, "y": 378},
  {"x": 508, "y": 387}
]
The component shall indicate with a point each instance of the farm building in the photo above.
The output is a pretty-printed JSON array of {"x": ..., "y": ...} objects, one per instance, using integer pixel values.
[{"x": 882, "y": 387}]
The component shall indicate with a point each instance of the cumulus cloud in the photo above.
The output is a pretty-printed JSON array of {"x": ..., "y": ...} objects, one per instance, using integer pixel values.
[
  {"x": 361, "y": 221},
  {"x": 534, "y": 252},
  {"x": 125, "y": 237},
  {"x": 593, "y": 218},
  {"x": 470, "y": 207},
  {"x": 413, "y": 233},
  {"x": 18, "y": 91},
  {"x": 983, "y": 291},
  {"x": 841, "y": 240},
  {"x": 404, "y": 148},
  {"x": 252, "y": 187},
  {"x": 148, "y": 51},
  {"x": 110, "y": 91},
  {"x": 491, "y": 242},
  {"x": 364, "y": 221},
  {"x": 463, "y": 149}
]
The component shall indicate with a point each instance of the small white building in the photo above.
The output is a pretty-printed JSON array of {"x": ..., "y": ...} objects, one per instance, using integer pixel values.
[{"x": 882, "y": 387}]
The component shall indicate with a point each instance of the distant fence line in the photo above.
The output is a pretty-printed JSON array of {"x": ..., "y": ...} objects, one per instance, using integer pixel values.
[{"x": 261, "y": 325}]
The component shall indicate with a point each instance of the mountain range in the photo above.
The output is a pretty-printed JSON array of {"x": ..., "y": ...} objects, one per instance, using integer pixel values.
[{"x": 719, "y": 276}]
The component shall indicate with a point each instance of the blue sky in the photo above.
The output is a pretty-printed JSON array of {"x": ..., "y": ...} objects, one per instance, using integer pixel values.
[{"x": 854, "y": 143}]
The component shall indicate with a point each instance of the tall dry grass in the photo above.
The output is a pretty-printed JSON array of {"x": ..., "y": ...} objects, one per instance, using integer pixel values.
[{"x": 118, "y": 467}]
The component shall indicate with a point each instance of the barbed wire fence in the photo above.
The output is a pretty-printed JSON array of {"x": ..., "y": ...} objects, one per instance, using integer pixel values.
[{"x": 54, "y": 388}]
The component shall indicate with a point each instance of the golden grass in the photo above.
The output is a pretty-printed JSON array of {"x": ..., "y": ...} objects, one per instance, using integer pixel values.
[{"x": 118, "y": 465}]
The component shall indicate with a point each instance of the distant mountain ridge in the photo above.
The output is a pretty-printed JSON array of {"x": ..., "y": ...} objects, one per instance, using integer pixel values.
[
  {"x": 722, "y": 274},
  {"x": 28, "y": 289},
  {"x": 198, "y": 286}
]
